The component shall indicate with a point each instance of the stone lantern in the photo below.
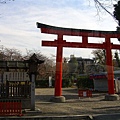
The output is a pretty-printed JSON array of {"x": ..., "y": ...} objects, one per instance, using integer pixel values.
[{"x": 33, "y": 66}]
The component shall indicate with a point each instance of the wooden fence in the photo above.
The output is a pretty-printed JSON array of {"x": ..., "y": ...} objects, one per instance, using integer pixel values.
[
  {"x": 10, "y": 107},
  {"x": 15, "y": 91}
]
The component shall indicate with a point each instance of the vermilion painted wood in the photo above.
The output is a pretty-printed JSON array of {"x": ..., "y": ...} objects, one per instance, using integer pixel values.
[
  {"x": 8, "y": 107},
  {"x": 76, "y": 32},
  {"x": 60, "y": 43}
]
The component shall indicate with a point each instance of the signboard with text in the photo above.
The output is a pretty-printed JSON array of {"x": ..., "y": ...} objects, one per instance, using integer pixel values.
[{"x": 15, "y": 76}]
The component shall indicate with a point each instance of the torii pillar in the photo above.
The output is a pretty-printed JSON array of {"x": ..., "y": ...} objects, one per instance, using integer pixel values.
[
  {"x": 58, "y": 76},
  {"x": 60, "y": 43},
  {"x": 110, "y": 75}
]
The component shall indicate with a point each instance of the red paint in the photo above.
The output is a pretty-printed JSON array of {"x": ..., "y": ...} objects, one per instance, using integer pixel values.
[
  {"x": 58, "y": 80},
  {"x": 109, "y": 64},
  {"x": 60, "y": 43},
  {"x": 84, "y": 93}
]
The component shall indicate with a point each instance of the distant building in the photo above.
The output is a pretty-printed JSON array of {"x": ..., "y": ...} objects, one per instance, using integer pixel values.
[
  {"x": 83, "y": 63},
  {"x": 88, "y": 66}
]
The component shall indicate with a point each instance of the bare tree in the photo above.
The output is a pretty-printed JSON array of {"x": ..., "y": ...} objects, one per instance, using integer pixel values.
[
  {"x": 5, "y": 1},
  {"x": 105, "y": 5},
  {"x": 31, "y": 52},
  {"x": 47, "y": 68},
  {"x": 100, "y": 56},
  {"x": 12, "y": 54}
]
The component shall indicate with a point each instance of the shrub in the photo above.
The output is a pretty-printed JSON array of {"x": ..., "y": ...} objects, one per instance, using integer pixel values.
[
  {"x": 66, "y": 82},
  {"x": 84, "y": 82},
  {"x": 42, "y": 83}
]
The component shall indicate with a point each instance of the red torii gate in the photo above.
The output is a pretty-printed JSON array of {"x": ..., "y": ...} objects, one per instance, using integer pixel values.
[{"x": 60, "y": 43}]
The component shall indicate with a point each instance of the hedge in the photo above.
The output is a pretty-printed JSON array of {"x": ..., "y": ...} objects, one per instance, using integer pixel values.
[
  {"x": 84, "y": 82},
  {"x": 45, "y": 83}
]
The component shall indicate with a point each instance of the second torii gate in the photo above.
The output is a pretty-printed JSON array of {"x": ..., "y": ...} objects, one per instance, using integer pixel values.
[{"x": 60, "y": 43}]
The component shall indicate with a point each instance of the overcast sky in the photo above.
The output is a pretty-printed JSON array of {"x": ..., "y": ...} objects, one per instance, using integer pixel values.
[{"x": 18, "y": 23}]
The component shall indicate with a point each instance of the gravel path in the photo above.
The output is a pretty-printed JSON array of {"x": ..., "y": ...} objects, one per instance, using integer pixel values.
[{"x": 74, "y": 105}]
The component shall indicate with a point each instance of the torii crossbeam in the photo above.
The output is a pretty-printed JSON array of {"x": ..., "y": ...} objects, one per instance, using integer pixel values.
[{"x": 60, "y": 43}]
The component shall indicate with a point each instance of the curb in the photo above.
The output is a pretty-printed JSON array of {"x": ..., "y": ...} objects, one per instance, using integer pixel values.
[{"x": 65, "y": 117}]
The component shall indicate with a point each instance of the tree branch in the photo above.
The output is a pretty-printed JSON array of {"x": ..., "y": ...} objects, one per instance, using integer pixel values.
[
  {"x": 99, "y": 4},
  {"x": 4, "y": 1}
]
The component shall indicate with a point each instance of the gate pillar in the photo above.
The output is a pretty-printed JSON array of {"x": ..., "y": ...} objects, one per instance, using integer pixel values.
[
  {"x": 110, "y": 75},
  {"x": 109, "y": 64},
  {"x": 58, "y": 76}
]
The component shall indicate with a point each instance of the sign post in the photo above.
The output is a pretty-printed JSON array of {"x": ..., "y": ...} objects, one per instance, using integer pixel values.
[{"x": 33, "y": 92}]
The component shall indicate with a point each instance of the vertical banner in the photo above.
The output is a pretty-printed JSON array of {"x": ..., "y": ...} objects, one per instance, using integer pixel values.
[{"x": 50, "y": 81}]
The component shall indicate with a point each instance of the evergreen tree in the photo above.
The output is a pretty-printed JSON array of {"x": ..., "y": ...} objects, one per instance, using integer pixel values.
[
  {"x": 117, "y": 15},
  {"x": 117, "y": 58},
  {"x": 73, "y": 66}
]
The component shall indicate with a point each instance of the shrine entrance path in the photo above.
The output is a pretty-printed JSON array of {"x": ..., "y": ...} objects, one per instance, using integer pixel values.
[{"x": 73, "y": 106}]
